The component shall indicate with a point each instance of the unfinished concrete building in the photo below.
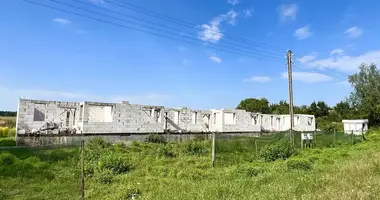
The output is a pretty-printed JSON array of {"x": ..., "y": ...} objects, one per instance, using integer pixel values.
[{"x": 55, "y": 117}]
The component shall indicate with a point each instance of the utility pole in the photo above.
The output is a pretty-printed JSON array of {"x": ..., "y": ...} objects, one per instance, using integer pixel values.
[
  {"x": 82, "y": 168},
  {"x": 289, "y": 58}
]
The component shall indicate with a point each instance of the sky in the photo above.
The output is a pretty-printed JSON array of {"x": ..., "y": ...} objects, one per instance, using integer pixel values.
[{"x": 223, "y": 51}]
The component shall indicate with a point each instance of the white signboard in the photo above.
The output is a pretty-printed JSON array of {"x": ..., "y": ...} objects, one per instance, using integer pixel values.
[
  {"x": 303, "y": 136},
  {"x": 309, "y": 136}
]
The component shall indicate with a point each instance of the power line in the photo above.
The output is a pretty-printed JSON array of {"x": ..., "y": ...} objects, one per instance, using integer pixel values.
[
  {"x": 133, "y": 7},
  {"x": 152, "y": 33},
  {"x": 243, "y": 47},
  {"x": 158, "y": 29}
]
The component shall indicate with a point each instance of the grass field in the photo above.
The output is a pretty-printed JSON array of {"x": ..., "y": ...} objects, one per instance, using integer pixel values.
[
  {"x": 8, "y": 118},
  {"x": 7, "y": 121},
  {"x": 332, "y": 170}
]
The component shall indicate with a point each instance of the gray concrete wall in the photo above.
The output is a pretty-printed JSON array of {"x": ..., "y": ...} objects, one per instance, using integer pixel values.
[
  {"x": 32, "y": 114},
  {"x": 99, "y": 117}
]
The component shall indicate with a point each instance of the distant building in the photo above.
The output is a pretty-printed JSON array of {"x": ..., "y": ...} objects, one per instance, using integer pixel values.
[{"x": 357, "y": 126}]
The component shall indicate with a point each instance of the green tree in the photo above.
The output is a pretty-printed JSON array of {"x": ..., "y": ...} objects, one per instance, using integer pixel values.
[
  {"x": 344, "y": 109},
  {"x": 255, "y": 105},
  {"x": 280, "y": 108},
  {"x": 301, "y": 109},
  {"x": 366, "y": 95},
  {"x": 319, "y": 109}
]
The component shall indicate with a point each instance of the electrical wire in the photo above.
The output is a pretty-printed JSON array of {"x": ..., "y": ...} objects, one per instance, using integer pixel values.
[
  {"x": 239, "y": 51},
  {"x": 135, "y": 8},
  {"x": 242, "y": 47}
]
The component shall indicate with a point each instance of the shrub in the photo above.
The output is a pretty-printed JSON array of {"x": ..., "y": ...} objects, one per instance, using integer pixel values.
[
  {"x": 11, "y": 132},
  {"x": 156, "y": 138},
  {"x": 7, "y": 159},
  {"x": 3, "y": 131},
  {"x": 248, "y": 170},
  {"x": 279, "y": 150},
  {"x": 298, "y": 164},
  {"x": 195, "y": 148},
  {"x": 7, "y": 142},
  {"x": 114, "y": 162},
  {"x": 105, "y": 176},
  {"x": 95, "y": 148},
  {"x": 165, "y": 151},
  {"x": 97, "y": 143}
]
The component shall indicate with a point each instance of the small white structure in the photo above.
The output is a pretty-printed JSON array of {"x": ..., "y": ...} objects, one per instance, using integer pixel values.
[{"x": 356, "y": 126}]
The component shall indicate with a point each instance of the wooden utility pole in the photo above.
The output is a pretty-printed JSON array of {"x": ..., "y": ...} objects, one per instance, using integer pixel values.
[
  {"x": 289, "y": 58},
  {"x": 82, "y": 168}
]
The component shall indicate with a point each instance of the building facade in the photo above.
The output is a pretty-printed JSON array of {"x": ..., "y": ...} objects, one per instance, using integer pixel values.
[
  {"x": 56, "y": 117},
  {"x": 355, "y": 126}
]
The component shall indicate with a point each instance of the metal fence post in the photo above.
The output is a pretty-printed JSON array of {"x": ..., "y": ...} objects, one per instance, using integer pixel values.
[{"x": 213, "y": 150}]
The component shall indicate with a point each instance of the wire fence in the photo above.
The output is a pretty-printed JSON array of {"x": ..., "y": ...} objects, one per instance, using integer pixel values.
[{"x": 230, "y": 149}]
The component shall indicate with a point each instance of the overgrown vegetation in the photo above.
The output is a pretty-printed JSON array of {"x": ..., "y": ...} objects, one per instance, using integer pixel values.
[
  {"x": 279, "y": 150},
  {"x": 7, "y": 132},
  {"x": 149, "y": 170}
]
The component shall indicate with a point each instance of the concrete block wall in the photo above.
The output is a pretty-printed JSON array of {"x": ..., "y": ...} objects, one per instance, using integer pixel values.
[
  {"x": 242, "y": 121},
  {"x": 98, "y": 117},
  {"x": 255, "y": 122},
  {"x": 33, "y": 114},
  {"x": 185, "y": 119}
]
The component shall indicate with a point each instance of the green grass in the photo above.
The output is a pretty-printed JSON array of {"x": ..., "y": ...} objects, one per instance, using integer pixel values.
[
  {"x": 183, "y": 171},
  {"x": 7, "y": 141}
]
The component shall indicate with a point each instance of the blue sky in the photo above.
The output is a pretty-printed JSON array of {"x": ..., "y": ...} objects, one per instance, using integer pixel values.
[{"x": 49, "y": 54}]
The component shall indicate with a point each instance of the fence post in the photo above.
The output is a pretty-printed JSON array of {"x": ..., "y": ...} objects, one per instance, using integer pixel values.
[
  {"x": 334, "y": 136},
  {"x": 352, "y": 136},
  {"x": 82, "y": 168},
  {"x": 257, "y": 155},
  {"x": 363, "y": 133},
  {"x": 213, "y": 150},
  {"x": 315, "y": 138}
]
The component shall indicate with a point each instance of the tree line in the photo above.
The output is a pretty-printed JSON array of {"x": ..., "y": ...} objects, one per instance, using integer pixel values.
[
  {"x": 8, "y": 114},
  {"x": 362, "y": 103}
]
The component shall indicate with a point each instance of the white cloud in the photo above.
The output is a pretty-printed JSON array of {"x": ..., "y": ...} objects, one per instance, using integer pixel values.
[
  {"x": 62, "y": 21},
  {"x": 288, "y": 11},
  {"x": 346, "y": 63},
  {"x": 259, "y": 79},
  {"x": 233, "y": 2},
  {"x": 307, "y": 77},
  {"x": 231, "y": 17},
  {"x": 211, "y": 31},
  {"x": 308, "y": 58},
  {"x": 97, "y": 2},
  {"x": 248, "y": 12},
  {"x": 303, "y": 32},
  {"x": 215, "y": 59},
  {"x": 354, "y": 32},
  {"x": 337, "y": 51}
]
